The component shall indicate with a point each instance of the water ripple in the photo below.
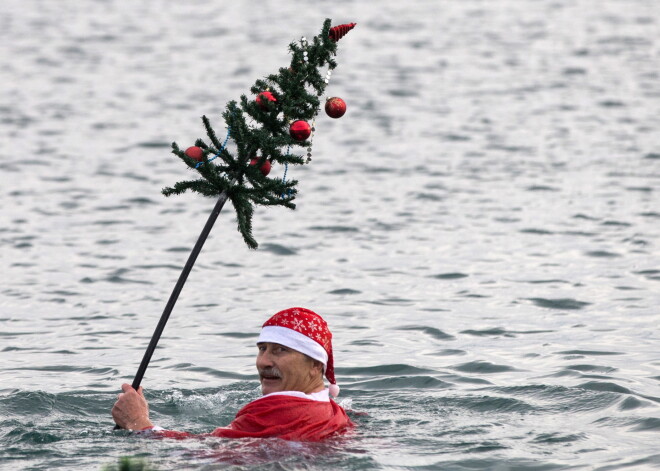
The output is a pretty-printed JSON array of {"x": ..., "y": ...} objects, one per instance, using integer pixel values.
[{"x": 560, "y": 303}]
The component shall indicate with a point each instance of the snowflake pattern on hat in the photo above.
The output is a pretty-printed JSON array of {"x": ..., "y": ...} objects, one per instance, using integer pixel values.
[{"x": 304, "y": 321}]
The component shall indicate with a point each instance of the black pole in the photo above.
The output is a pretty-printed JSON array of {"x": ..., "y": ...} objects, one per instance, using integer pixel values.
[{"x": 177, "y": 290}]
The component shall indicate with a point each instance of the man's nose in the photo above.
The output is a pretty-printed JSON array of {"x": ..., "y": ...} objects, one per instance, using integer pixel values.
[{"x": 264, "y": 360}]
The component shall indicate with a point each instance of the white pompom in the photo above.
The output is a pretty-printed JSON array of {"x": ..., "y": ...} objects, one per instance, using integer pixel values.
[{"x": 334, "y": 390}]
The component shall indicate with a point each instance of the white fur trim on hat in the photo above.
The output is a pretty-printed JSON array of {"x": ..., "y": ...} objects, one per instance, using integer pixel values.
[{"x": 295, "y": 340}]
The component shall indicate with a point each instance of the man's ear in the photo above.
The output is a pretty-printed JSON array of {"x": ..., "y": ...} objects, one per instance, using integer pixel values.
[{"x": 317, "y": 366}]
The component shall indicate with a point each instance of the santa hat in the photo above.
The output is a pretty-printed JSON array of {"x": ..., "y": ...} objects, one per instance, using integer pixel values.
[{"x": 306, "y": 332}]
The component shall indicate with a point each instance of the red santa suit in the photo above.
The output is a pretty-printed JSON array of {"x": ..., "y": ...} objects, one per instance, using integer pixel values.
[{"x": 289, "y": 415}]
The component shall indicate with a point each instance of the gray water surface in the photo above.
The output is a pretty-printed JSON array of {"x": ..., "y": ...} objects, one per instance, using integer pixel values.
[{"x": 480, "y": 230}]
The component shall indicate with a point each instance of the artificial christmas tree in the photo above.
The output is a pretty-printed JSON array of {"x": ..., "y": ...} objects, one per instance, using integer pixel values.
[{"x": 285, "y": 104}]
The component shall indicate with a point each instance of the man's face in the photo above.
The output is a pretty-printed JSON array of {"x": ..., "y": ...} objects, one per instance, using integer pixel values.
[{"x": 284, "y": 369}]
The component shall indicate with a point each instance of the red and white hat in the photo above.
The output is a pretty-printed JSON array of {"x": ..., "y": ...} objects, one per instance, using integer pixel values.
[{"x": 306, "y": 332}]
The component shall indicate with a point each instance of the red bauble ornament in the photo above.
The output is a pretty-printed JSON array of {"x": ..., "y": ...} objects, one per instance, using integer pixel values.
[
  {"x": 335, "y": 107},
  {"x": 264, "y": 99},
  {"x": 195, "y": 153},
  {"x": 265, "y": 167},
  {"x": 300, "y": 130},
  {"x": 338, "y": 32}
]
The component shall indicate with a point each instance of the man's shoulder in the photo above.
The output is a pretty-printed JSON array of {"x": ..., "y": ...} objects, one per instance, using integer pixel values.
[{"x": 289, "y": 405}]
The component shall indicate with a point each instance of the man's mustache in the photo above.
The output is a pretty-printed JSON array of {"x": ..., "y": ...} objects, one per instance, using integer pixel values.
[{"x": 270, "y": 372}]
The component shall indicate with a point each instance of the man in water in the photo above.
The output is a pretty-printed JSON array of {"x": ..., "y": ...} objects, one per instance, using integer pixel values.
[{"x": 295, "y": 351}]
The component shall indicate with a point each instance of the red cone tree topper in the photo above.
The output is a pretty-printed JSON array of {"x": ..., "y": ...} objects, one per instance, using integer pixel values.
[{"x": 338, "y": 32}]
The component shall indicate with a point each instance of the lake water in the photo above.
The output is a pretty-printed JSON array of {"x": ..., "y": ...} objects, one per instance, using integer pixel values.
[{"x": 481, "y": 230}]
